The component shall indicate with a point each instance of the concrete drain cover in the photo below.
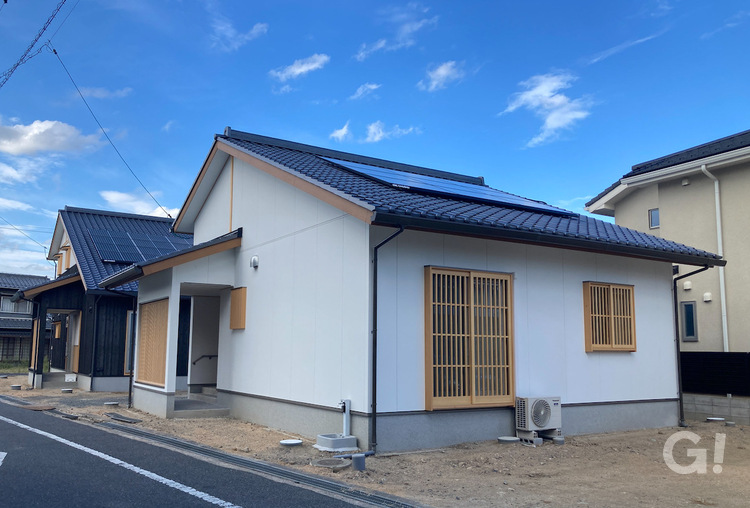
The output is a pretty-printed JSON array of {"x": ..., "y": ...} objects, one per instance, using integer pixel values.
[{"x": 334, "y": 464}]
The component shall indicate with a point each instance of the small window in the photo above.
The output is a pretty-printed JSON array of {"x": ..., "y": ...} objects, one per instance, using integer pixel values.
[
  {"x": 653, "y": 218},
  {"x": 609, "y": 317},
  {"x": 689, "y": 321}
]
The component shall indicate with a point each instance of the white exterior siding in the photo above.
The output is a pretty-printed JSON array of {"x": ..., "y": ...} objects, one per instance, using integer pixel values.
[
  {"x": 548, "y": 319},
  {"x": 306, "y": 337},
  {"x": 214, "y": 218}
]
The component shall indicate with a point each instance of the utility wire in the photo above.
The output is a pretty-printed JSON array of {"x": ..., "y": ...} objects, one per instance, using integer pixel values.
[
  {"x": 27, "y": 54},
  {"x": 105, "y": 132},
  {"x": 27, "y": 236}
]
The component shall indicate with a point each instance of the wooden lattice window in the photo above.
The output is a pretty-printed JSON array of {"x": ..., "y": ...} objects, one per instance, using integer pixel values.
[
  {"x": 469, "y": 339},
  {"x": 609, "y": 317},
  {"x": 152, "y": 343}
]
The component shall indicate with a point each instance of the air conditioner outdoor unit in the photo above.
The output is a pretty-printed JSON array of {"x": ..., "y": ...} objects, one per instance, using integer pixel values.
[{"x": 538, "y": 413}]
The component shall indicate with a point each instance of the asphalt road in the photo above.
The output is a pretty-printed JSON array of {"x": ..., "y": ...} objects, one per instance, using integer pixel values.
[{"x": 50, "y": 461}]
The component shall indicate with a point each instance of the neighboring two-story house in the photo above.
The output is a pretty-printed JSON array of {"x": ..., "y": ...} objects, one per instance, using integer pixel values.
[
  {"x": 699, "y": 197},
  {"x": 15, "y": 317}
]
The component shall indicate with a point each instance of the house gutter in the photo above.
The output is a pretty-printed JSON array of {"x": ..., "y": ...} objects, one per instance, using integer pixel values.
[
  {"x": 374, "y": 366},
  {"x": 682, "y": 422},
  {"x": 720, "y": 252}
]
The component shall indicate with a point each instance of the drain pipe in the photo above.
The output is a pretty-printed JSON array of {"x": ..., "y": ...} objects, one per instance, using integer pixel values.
[
  {"x": 374, "y": 366},
  {"x": 682, "y": 422},
  {"x": 720, "y": 252}
]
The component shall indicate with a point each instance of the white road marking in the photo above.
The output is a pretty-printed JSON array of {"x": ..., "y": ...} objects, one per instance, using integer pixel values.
[
  {"x": 2, "y": 457},
  {"x": 148, "y": 474}
]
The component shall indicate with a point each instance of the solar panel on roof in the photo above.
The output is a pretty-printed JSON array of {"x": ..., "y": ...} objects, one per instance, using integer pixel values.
[
  {"x": 442, "y": 186},
  {"x": 125, "y": 247}
]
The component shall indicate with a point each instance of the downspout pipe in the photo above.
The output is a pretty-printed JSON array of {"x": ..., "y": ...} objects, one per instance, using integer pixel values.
[
  {"x": 374, "y": 366},
  {"x": 720, "y": 252},
  {"x": 682, "y": 422}
]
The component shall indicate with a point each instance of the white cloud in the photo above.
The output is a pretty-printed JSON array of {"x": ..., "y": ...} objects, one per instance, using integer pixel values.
[
  {"x": 376, "y": 131},
  {"x": 406, "y": 21},
  {"x": 542, "y": 97},
  {"x": 300, "y": 67},
  {"x": 168, "y": 126},
  {"x": 11, "y": 204},
  {"x": 44, "y": 135},
  {"x": 364, "y": 90},
  {"x": 365, "y": 50},
  {"x": 341, "y": 134},
  {"x": 732, "y": 22},
  {"x": 282, "y": 89},
  {"x": 132, "y": 203},
  {"x": 440, "y": 76},
  {"x": 103, "y": 93},
  {"x": 622, "y": 47},
  {"x": 30, "y": 259},
  {"x": 224, "y": 36}
]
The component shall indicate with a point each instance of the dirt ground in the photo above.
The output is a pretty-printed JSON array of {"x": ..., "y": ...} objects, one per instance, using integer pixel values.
[{"x": 624, "y": 469}]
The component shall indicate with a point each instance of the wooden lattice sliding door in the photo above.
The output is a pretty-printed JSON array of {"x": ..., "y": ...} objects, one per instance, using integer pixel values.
[
  {"x": 469, "y": 339},
  {"x": 152, "y": 343}
]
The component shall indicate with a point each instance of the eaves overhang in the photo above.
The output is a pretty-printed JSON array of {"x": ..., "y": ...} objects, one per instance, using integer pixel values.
[
  {"x": 604, "y": 204},
  {"x": 138, "y": 270},
  {"x": 31, "y": 292},
  {"x": 542, "y": 239}
]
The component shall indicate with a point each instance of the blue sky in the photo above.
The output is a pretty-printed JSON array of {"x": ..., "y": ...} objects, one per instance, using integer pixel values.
[{"x": 549, "y": 100}]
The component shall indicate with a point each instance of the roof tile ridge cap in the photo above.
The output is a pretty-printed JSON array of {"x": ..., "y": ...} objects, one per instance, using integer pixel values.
[
  {"x": 320, "y": 151},
  {"x": 112, "y": 213},
  {"x": 719, "y": 141}
]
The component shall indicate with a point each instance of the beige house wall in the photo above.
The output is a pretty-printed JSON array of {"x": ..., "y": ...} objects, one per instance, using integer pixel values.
[{"x": 688, "y": 215}]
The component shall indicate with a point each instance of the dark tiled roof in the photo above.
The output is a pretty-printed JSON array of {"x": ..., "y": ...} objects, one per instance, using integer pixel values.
[
  {"x": 18, "y": 281},
  {"x": 78, "y": 222},
  {"x": 15, "y": 323},
  {"x": 463, "y": 215},
  {"x": 723, "y": 145},
  {"x": 727, "y": 144}
]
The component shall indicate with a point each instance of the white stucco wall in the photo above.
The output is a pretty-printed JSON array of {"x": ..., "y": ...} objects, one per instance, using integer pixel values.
[
  {"x": 214, "y": 218},
  {"x": 548, "y": 319},
  {"x": 306, "y": 337}
]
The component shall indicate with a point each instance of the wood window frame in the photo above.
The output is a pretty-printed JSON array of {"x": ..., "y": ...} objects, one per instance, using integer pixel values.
[
  {"x": 485, "y": 376},
  {"x": 609, "y": 317}
]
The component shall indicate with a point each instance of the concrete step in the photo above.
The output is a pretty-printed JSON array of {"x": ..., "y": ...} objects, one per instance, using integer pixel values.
[
  {"x": 194, "y": 408},
  {"x": 211, "y": 399}
]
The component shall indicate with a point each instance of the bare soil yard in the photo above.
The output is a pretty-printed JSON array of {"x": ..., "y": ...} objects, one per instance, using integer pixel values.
[{"x": 624, "y": 469}]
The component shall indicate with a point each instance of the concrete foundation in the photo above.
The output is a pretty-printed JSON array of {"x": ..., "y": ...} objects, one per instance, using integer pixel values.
[
  {"x": 154, "y": 401},
  {"x": 303, "y": 419},
  {"x": 619, "y": 416}
]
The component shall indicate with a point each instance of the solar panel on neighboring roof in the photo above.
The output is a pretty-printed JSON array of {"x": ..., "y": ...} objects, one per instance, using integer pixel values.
[
  {"x": 442, "y": 186},
  {"x": 125, "y": 247}
]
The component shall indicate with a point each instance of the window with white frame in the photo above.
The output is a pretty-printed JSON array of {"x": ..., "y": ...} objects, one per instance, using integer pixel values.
[
  {"x": 689, "y": 318},
  {"x": 653, "y": 218}
]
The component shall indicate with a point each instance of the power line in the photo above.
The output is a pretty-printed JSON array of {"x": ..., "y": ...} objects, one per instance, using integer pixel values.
[
  {"x": 104, "y": 131},
  {"x": 27, "y": 236},
  {"x": 26, "y": 55}
]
